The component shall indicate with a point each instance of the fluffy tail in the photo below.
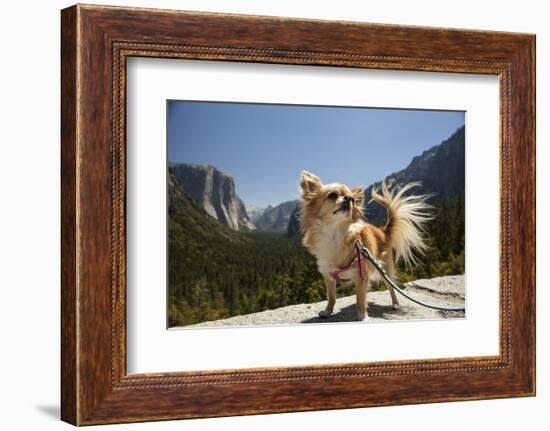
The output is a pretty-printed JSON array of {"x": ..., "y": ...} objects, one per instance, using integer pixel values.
[{"x": 407, "y": 215}]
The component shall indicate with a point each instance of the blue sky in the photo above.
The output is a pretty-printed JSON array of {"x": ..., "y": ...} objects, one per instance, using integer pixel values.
[{"x": 265, "y": 147}]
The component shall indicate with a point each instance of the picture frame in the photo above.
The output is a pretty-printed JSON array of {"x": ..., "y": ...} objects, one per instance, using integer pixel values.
[{"x": 96, "y": 42}]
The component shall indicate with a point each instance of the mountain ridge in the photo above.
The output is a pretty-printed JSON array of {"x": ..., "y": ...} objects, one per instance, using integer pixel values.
[
  {"x": 439, "y": 169},
  {"x": 276, "y": 218},
  {"x": 214, "y": 191}
]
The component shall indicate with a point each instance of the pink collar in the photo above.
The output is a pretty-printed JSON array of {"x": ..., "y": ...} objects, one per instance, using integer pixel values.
[{"x": 357, "y": 259}]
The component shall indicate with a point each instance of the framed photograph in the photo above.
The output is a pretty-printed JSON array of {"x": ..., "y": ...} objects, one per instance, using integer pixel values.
[
  {"x": 264, "y": 214},
  {"x": 244, "y": 247}
]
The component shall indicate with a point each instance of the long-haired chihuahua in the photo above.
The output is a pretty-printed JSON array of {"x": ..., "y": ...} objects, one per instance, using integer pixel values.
[{"x": 332, "y": 221}]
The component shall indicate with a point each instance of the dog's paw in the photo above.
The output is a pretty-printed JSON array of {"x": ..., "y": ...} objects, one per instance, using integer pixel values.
[
  {"x": 323, "y": 314},
  {"x": 396, "y": 306},
  {"x": 362, "y": 317}
]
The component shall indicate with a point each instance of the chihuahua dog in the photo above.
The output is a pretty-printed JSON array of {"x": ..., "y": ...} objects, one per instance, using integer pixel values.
[{"x": 332, "y": 222}]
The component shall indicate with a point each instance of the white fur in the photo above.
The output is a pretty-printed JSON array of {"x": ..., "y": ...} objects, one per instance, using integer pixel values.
[
  {"x": 330, "y": 242},
  {"x": 407, "y": 216}
]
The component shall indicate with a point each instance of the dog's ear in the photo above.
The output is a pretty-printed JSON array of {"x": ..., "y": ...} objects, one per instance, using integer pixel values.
[
  {"x": 358, "y": 194},
  {"x": 310, "y": 184}
]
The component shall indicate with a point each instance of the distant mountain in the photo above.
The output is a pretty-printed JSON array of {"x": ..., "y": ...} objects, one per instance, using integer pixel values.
[
  {"x": 293, "y": 228},
  {"x": 187, "y": 219},
  {"x": 214, "y": 191},
  {"x": 254, "y": 212},
  {"x": 275, "y": 219},
  {"x": 440, "y": 170}
]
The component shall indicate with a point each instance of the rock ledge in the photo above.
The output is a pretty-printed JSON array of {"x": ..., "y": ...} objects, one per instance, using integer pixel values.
[{"x": 445, "y": 291}]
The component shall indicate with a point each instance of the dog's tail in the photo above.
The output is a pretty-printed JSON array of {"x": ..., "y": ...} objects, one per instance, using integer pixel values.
[{"x": 407, "y": 215}]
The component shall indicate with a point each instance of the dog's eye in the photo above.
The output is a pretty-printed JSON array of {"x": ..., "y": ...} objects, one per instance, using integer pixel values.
[{"x": 332, "y": 195}]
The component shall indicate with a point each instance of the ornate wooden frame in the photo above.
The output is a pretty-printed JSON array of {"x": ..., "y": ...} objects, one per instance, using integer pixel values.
[{"x": 95, "y": 43}]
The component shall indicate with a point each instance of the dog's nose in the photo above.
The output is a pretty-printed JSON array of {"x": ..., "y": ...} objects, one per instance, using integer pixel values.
[{"x": 347, "y": 201}]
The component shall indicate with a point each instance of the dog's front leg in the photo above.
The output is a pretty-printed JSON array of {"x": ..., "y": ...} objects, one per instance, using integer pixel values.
[
  {"x": 330, "y": 284},
  {"x": 361, "y": 298}
]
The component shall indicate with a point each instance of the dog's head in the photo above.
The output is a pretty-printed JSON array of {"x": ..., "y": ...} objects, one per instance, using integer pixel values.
[{"x": 329, "y": 203}]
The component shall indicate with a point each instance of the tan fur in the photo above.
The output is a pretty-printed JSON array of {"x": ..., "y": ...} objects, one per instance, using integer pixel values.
[{"x": 332, "y": 220}]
